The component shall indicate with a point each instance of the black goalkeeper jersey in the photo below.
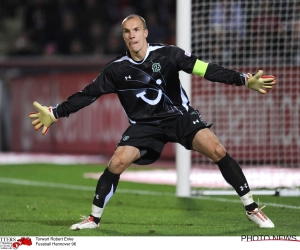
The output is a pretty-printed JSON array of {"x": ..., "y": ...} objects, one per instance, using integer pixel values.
[{"x": 150, "y": 90}]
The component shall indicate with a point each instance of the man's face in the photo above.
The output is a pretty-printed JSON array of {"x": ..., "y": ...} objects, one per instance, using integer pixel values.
[{"x": 134, "y": 35}]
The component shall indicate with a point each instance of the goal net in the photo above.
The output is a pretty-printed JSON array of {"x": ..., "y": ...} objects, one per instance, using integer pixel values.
[{"x": 262, "y": 132}]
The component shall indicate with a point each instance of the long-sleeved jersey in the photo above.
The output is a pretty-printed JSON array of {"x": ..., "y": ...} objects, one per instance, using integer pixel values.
[{"x": 150, "y": 90}]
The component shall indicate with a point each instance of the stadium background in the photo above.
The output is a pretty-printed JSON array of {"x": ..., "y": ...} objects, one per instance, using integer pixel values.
[{"x": 49, "y": 49}]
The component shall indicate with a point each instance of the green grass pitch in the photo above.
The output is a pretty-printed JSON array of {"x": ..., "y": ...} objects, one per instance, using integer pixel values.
[{"x": 46, "y": 199}]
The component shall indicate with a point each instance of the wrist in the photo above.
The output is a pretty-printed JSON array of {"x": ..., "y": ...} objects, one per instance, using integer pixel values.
[
  {"x": 247, "y": 77},
  {"x": 243, "y": 79},
  {"x": 53, "y": 111}
]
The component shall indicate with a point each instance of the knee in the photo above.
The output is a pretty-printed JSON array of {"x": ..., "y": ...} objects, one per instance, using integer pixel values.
[
  {"x": 117, "y": 164},
  {"x": 219, "y": 152},
  {"x": 123, "y": 157}
]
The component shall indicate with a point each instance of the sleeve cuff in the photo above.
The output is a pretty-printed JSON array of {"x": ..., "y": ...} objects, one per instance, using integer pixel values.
[{"x": 54, "y": 111}]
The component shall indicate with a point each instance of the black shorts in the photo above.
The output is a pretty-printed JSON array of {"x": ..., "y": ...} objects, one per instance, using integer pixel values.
[{"x": 151, "y": 139}]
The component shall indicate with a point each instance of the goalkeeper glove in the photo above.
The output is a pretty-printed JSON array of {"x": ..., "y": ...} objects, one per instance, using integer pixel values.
[
  {"x": 259, "y": 82},
  {"x": 44, "y": 117}
]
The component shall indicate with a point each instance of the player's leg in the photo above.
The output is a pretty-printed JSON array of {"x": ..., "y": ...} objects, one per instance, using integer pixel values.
[
  {"x": 207, "y": 143},
  {"x": 140, "y": 144},
  {"x": 107, "y": 184}
]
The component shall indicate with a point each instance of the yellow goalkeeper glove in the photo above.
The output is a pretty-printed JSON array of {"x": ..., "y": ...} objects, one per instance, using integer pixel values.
[
  {"x": 44, "y": 117},
  {"x": 259, "y": 82}
]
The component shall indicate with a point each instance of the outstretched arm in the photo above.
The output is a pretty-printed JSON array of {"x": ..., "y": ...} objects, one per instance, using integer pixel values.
[
  {"x": 216, "y": 73},
  {"x": 46, "y": 116}
]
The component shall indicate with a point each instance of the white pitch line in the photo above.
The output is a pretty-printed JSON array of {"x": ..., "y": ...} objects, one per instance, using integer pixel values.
[{"x": 128, "y": 191}]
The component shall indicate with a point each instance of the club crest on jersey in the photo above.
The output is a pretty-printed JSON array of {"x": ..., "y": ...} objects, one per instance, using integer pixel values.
[{"x": 156, "y": 67}]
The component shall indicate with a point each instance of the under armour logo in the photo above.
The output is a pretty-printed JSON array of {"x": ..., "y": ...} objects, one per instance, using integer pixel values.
[
  {"x": 127, "y": 77},
  {"x": 197, "y": 121},
  {"x": 244, "y": 187}
]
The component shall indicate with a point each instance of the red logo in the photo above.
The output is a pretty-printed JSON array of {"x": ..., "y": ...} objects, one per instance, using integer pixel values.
[{"x": 23, "y": 241}]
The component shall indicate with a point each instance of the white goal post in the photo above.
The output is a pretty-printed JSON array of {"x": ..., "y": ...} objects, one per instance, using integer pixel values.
[{"x": 183, "y": 35}]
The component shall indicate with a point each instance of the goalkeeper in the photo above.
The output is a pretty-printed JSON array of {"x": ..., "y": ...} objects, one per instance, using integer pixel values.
[{"x": 146, "y": 80}]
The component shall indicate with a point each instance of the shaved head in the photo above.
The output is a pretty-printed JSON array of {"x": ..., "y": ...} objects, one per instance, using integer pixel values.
[{"x": 135, "y": 16}]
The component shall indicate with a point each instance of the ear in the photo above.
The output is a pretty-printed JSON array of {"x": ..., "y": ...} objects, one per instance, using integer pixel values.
[
  {"x": 146, "y": 33},
  {"x": 123, "y": 36}
]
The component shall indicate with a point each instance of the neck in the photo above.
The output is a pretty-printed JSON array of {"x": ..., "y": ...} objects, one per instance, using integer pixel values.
[{"x": 140, "y": 55}]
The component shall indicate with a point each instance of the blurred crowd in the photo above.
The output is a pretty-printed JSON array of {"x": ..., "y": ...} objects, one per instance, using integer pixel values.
[
  {"x": 77, "y": 27},
  {"x": 224, "y": 30}
]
